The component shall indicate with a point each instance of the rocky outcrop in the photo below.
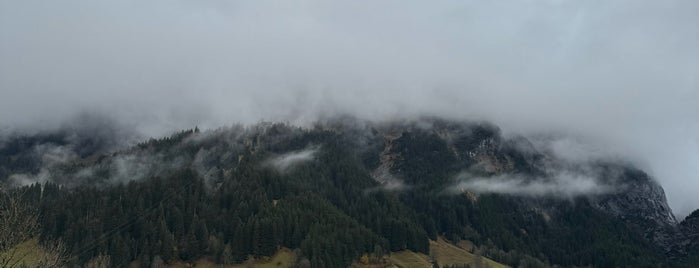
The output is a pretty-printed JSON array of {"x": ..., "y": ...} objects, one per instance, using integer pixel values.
[{"x": 641, "y": 203}]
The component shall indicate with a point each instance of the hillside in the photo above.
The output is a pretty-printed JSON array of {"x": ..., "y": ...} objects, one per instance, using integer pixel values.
[{"x": 339, "y": 190}]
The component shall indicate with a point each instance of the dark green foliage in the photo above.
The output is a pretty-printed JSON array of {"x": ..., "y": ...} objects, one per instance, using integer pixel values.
[
  {"x": 426, "y": 159},
  {"x": 457, "y": 266},
  {"x": 694, "y": 215},
  {"x": 253, "y": 211},
  {"x": 17, "y": 154},
  {"x": 225, "y": 201}
]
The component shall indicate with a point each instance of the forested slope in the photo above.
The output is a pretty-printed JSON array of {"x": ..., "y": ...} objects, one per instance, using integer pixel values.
[{"x": 335, "y": 191}]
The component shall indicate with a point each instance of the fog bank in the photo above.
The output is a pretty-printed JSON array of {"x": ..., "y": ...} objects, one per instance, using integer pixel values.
[{"x": 620, "y": 76}]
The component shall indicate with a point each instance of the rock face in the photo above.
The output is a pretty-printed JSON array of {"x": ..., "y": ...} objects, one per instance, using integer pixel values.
[
  {"x": 642, "y": 199},
  {"x": 642, "y": 204}
]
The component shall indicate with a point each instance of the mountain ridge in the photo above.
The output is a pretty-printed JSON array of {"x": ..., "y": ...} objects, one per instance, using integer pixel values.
[{"x": 418, "y": 165}]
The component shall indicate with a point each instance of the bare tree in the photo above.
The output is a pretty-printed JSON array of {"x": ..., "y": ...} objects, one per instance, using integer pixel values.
[
  {"x": 100, "y": 261},
  {"x": 54, "y": 255},
  {"x": 478, "y": 261},
  {"x": 19, "y": 222}
]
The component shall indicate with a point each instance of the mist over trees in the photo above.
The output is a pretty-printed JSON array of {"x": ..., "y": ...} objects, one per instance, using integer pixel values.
[{"x": 215, "y": 195}]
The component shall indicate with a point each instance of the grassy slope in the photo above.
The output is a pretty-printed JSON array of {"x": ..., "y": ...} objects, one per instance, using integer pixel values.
[
  {"x": 27, "y": 253},
  {"x": 284, "y": 258},
  {"x": 409, "y": 259},
  {"x": 442, "y": 251}
]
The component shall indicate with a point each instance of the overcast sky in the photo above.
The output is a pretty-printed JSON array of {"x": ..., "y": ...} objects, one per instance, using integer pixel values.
[{"x": 622, "y": 76}]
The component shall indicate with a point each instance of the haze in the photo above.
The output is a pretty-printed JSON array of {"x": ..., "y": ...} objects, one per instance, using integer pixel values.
[{"x": 619, "y": 77}]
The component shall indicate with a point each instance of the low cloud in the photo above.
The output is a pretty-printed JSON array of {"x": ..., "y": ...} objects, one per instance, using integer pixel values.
[
  {"x": 50, "y": 156},
  {"x": 285, "y": 162},
  {"x": 388, "y": 182},
  {"x": 623, "y": 73},
  {"x": 22, "y": 179},
  {"x": 63, "y": 164},
  {"x": 117, "y": 169},
  {"x": 392, "y": 185},
  {"x": 561, "y": 185}
]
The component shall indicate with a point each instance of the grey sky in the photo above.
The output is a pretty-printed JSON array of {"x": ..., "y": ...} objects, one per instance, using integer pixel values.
[{"x": 620, "y": 75}]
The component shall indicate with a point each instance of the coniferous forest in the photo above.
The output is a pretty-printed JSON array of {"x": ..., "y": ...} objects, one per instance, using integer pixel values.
[{"x": 230, "y": 194}]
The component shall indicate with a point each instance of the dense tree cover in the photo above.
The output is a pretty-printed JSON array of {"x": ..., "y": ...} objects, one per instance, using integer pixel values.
[
  {"x": 17, "y": 154},
  {"x": 691, "y": 226},
  {"x": 320, "y": 207},
  {"x": 222, "y": 199}
]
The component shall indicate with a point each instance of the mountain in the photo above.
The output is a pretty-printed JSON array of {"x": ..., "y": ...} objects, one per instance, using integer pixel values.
[{"x": 340, "y": 190}]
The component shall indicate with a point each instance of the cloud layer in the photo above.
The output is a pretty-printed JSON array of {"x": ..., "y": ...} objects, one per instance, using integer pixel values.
[
  {"x": 562, "y": 185},
  {"x": 620, "y": 74},
  {"x": 286, "y": 161}
]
